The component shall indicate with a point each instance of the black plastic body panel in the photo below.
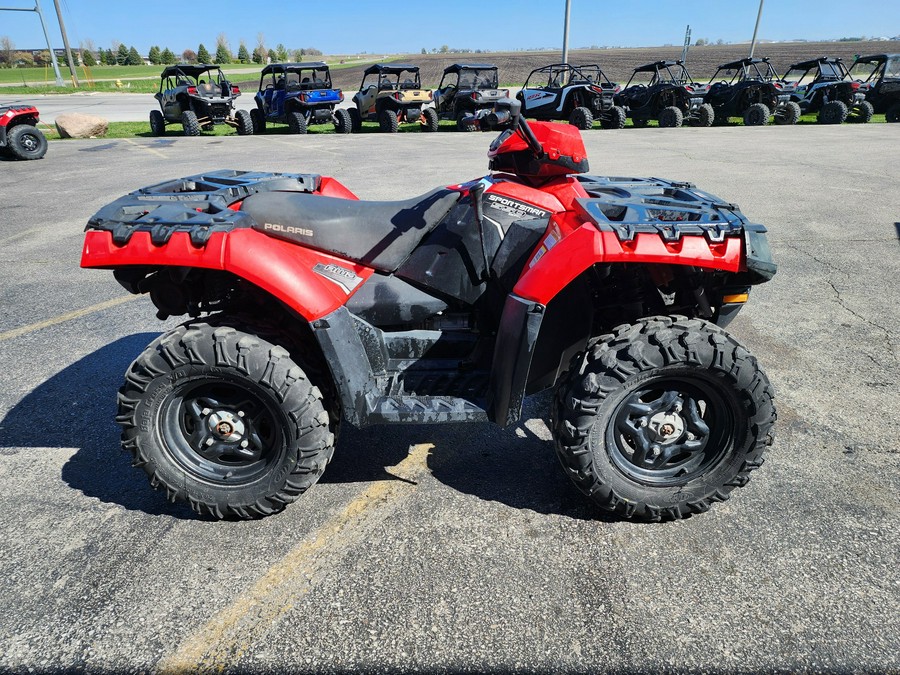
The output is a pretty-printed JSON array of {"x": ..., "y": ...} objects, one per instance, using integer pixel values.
[{"x": 385, "y": 300}]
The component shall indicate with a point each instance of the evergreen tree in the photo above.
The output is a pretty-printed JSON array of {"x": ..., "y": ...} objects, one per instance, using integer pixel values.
[
  {"x": 222, "y": 54},
  {"x": 271, "y": 56},
  {"x": 87, "y": 56},
  {"x": 134, "y": 59},
  {"x": 281, "y": 52},
  {"x": 121, "y": 56},
  {"x": 154, "y": 55},
  {"x": 259, "y": 55},
  {"x": 167, "y": 57},
  {"x": 76, "y": 59},
  {"x": 243, "y": 55},
  {"x": 110, "y": 58},
  {"x": 203, "y": 55}
]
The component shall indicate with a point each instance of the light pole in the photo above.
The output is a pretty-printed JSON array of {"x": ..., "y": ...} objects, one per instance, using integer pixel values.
[
  {"x": 756, "y": 28},
  {"x": 565, "y": 54},
  {"x": 37, "y": 8}
]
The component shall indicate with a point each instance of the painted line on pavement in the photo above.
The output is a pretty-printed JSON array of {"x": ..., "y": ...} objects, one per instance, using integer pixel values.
[
  {"x": 228, "y": 635},
  {"x": 144, "y": 147},
  {"x": 62, "y": 318}
]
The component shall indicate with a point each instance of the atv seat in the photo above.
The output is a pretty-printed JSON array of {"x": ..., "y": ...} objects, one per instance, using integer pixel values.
[{"x": 376, "y": 234}]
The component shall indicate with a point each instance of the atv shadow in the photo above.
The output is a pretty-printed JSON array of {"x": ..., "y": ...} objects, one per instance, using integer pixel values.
[{"x": 76, "y": 408}]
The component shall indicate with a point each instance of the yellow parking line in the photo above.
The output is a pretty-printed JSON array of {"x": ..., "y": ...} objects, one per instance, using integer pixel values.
[
  {"x": 62, "y": 318},
  {"x": 231, "y": 632},
  {"x": 144, "y": 147}
]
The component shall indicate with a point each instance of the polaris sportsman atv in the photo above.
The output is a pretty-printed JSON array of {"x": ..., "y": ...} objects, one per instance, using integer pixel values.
[
  {"x": 198, "y": 97},
  {"x": 392, "y": 94},
  {"x": 299, "y": 95},
  {"x": 879, "y": 78},
  {"x": 307, "y": 305},
  {"x": 824, "y": 86},
  {"x": 19, "y": 136},
  {"x": 754, "y": 92},
  {"x": 577, "y": 94},
  {"x": 467, "y": 90},
  {"x": 665, "y": 91}
]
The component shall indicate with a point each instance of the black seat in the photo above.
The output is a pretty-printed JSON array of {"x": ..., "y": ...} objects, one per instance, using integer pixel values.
[{"x": 376, "y": 234}]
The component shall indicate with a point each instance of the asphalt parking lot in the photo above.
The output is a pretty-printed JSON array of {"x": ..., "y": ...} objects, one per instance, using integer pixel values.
[{"x": 461, "y": 548}]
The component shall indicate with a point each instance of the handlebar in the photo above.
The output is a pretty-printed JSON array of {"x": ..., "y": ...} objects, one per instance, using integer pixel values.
[{"x": 507, "y": 116}]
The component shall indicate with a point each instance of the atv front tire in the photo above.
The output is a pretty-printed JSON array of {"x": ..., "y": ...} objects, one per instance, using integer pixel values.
[
  {"x": 614, "y": 118},
  {"x": 581, "y": 118},
  {"x": 244, "y": 123},
  {"x": 296, "y": 123},
  {"x": 24, "y": 141},
  {"x": 671, "y": 117},
  {"x": 258, "y": 118},
  {"x": 661, "y": 418},
  {"x": 787, "y": 113},
  {"x": 757, "y": 115},
  {"x": 157, "y": 123},
  {"x": 861, "y": 113},
  {"x": 189, "y": 123},
  {"x": 387, "y": 122},
  {"x": 342, "y": 122},
  {"x": 704, "y": 116},
  {"x": 430, "y": 122},
  {"x": 833, "y": 112},
  {"x": 225, "y": 421}
]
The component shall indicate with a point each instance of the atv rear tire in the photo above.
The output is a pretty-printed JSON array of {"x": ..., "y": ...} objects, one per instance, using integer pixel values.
[
  {"x": 387, "y": 122},
  {"x": 296, "y": 123},
  {"x": 258, "y": 118},
  {"x": 661, "y": 418},
  {"x": 189, "y": 123},
  {"x": 225, "y": 421},
  {"x": 355, "y": 120},
  {"x": 157, "y": 123},
  {"x": 670, "y": 117},
  {"x": 861, "y": 113},
  {"x": 430, "y": 119},
  {"x": 461, "y": 125},
  {"x": 614, "y": 118},
  {"x": 893, "y": 113},
  {"x": 704, "y": 116},
  {"x": 787, "y": 113},
  {"x": 581, "y": 118},
  {"x": 757, "y": 115},
  {"x": 833, "y": 112},
  {"x": 244, "y": 123},
  {"x": 342, "y": 122},
  {"x": 24, "y": 141}
]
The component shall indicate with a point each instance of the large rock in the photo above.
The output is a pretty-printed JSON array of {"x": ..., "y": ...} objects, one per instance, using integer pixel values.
[{"x": 79, "y": 125}]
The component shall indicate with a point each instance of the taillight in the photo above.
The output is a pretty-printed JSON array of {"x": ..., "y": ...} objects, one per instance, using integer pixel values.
[
  {"x": 778, "y": 85},
  {"x": 506, "y": 93},
  {"x": 341, "y": 94},
  {"x": 396, "y": 96},
  {"x": 476, "y": 95},
  {"x": 192, "y": 90},
  {"x": 854, "y": 86},
  {"x": 304, "y": 97},
  {"x": 689, "y": 88},
  {"x": 235, "y": 90}
]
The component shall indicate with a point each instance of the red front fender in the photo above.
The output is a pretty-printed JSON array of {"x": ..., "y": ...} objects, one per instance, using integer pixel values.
[
  {"x": 556, "y": 263},
  {"x": 280, "y": 268}
]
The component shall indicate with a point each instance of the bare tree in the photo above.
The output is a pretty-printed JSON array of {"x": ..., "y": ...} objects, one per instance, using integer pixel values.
[{"x": 7, "y": 47}]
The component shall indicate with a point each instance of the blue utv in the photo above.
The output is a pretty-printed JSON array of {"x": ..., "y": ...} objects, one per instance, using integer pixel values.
[{"x": 299, "y": 95}]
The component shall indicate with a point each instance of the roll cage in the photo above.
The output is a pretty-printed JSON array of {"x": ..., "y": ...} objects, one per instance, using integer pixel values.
[
  {"x": 189, "y": 75},
  {"x": 747, "y": 69},
  {"x": 560, "y": 75},
  {"x": 662, "y": 72},
  {"x": 876, "y": 68},
  {"x": 826, "y": 70},
  {"x": 296, "y": 76},
  {"x": 388, "y": 77},
  {"x": 471, "y": 76}
]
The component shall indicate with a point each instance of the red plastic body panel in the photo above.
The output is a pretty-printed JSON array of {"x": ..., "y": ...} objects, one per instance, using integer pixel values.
[
  {"x": 27, "y": 113},
  {"x": 281, "y": 268}
]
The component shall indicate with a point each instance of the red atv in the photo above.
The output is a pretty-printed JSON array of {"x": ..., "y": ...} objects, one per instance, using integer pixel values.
[
  {"x": 309, "y": 306},
  {"x": 19, "y": 136}
]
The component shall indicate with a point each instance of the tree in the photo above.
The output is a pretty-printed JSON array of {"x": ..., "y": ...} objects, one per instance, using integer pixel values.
[
  {"x": 154, "y": 55},
  {"x": 312, "y": 51},
  {"x": 110, "y": 57},
  {"x": 6, "y": 51},
  {"x": 42, "y": 58},
  {"x": 23, "y": 59},
  {"x": 189, "y": 56},
  {"x": 122, "y": 56},
  {"x": 223, "y": 51},
  {"x": 281, "y": 52},
  {"x": 259, "y": 55},
  {"x": 424, "y": 51},
  {"x": 203, "y": 55},
  {"x": 243, "y": 55},
  {"x": 87, "y": 56},
  {"x": 271, "y": 56},
  {"x": 444, "y": 49},
  {"x": 167, "y": 57},
  {"x": 297, "y": 54},
  {"x": 76, "y": 58},
  {"x": 134, "y": 59},
  {"x": 701, "y": 42}
]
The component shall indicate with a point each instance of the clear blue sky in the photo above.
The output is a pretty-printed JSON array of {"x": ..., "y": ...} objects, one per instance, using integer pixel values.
[{"x": 366, "y": 25}]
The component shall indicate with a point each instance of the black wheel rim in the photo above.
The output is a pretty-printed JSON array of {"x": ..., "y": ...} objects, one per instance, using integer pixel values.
[
  {"x": 30, "y": 142},
  {"x": 220, "y": 431},
  {"x": 670, "y": 430}
]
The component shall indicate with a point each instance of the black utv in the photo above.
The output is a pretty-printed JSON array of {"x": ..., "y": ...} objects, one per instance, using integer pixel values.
[
  {"x": 824, "y": 86},
  {"x": 465, "y": 90},
  {"x": 751, "y": 89},
  {"x": 879, "y": 78},
  {"x": 577, "y": 94},
  {"x": 665, "y": 91},
  {"x": 198, "y": 97}
]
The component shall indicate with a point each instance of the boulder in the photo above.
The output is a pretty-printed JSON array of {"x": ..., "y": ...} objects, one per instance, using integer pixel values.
[{"x": 79, "y": 125}]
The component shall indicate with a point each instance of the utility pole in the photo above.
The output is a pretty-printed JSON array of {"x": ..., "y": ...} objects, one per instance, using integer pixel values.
[
  {"x": 62, "y": 29},
  {"x": 37, "y": 8},
  {"x": 756, "y": 28},
  {"x": 565, "y": 54}
]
